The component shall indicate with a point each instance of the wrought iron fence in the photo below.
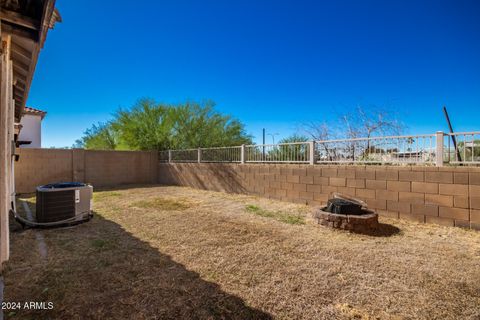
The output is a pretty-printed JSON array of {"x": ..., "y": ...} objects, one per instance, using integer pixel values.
[
  {"x": 298, "y": 152},
  {"x": 221, "y": 154},
  {"x": 429, "y": 149},
  {"x": 186, "y": 155},
  {"x": 392, "y": 149},
  {"x": 465, "y": 149},
  {"x": 163, "y": 156}
]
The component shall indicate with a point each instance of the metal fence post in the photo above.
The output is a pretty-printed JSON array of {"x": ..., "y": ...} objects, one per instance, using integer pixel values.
[
  {"x": 242, "y": 154},
  {"x": 439, "y": 149},
  {"x": 312, "y": 152},
  {"x": 169, "y": 156},
  {"x": 199, "y": 155}
]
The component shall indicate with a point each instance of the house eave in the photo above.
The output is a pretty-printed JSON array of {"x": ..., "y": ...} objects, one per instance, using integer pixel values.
[{"x": 27, "y": 28}]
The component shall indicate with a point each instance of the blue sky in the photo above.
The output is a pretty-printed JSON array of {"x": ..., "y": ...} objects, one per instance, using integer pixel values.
[{"x": 272, "y": 64}]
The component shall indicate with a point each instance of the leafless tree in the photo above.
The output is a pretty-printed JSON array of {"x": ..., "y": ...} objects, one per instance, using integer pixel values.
[
  {"x": 322, "y": 133},
  {"x": 361, "y": 123},
  {"x": 351, "y": 131},
  {"x": 367, "y": 123},
  {"x": 318, "y": 131},
  {"x": 375, "y": 121}
]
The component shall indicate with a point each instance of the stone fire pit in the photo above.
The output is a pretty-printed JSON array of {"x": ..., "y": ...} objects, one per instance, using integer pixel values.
[{"x": 363, "y": 221}]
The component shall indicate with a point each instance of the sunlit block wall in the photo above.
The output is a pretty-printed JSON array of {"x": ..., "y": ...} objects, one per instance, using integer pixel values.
[
  {"x": 100, "y": 168},
  {"x": 446, "y": 195}
]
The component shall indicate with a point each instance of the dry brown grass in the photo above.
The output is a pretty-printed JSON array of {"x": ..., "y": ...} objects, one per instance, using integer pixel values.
[
  {"x": 162, "y": 204},
  {"x": 277, "y": 215},
  {"x": 213, "y": 259}
]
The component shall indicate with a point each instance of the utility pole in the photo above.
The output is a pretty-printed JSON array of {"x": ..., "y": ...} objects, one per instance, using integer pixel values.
[
  {"x": 273, "y": 136},
  {"x": 263, "y": 144}
]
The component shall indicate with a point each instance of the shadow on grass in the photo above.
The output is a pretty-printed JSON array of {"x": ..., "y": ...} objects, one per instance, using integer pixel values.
[
  {"x": 383, "y": 230},
  {"x": 97, "y": 270}
]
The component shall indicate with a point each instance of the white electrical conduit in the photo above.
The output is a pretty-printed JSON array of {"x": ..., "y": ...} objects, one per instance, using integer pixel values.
[{"x": 31, "y": 223}]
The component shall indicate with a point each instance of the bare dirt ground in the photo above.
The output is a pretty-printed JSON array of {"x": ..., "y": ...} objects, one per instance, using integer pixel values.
[{"x": 156, "y": 252}]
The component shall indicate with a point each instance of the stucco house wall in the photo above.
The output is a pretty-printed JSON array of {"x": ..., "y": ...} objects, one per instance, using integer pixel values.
[
  {"x": 31, "y": 127},
  {"x": 31, "y": 131}
]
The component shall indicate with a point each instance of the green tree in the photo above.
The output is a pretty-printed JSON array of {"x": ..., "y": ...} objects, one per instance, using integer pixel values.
[
  {"x": 101, "y": 136},
  {"x": 148, "y": 125},
  {"x": 199, "y": 125},
  {"x": 294, "y": 138}
]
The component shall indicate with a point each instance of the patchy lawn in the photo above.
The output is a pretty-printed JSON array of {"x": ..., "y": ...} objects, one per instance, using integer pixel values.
[
  {"x": 179, "y": 253},
  {"x": 287, "y": 217}
]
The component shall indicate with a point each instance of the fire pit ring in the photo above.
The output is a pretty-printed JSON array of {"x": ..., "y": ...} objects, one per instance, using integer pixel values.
[{"x": 346, "y": 213}]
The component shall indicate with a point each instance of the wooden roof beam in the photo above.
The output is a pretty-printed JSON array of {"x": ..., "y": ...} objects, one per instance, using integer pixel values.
[
  {"x": 21, "y": 51},
  {"x": 20, "y": 85},
  {"x": 18, "y": 89},
  {"x": 10, "y": 28},
  {"x": 18, "y": 19},
  {"x": 18, "y": 98},
  {"x": 20, "y": 68},
  {"x": 19, "y": 79}
]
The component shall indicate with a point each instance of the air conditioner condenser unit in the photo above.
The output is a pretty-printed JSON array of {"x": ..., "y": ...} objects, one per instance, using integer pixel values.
[{"x": 65, "y": 202}]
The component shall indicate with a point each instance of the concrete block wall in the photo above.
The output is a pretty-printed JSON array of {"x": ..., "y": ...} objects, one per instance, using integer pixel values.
[
  {"x": 441, "y": 195},
  {"x": 100, "y": 168},
  {"x": 110, "y": 168},
  {"x": 41, "y": 166}
]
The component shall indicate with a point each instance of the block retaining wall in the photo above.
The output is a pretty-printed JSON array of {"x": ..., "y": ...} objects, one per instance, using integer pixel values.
[
  {"x": 441, "y": 195},
  {"x": 100, "y": 168}
]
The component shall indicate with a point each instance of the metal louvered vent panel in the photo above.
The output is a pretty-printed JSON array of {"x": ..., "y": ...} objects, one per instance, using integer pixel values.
[{"x": 55, "y": 206}]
